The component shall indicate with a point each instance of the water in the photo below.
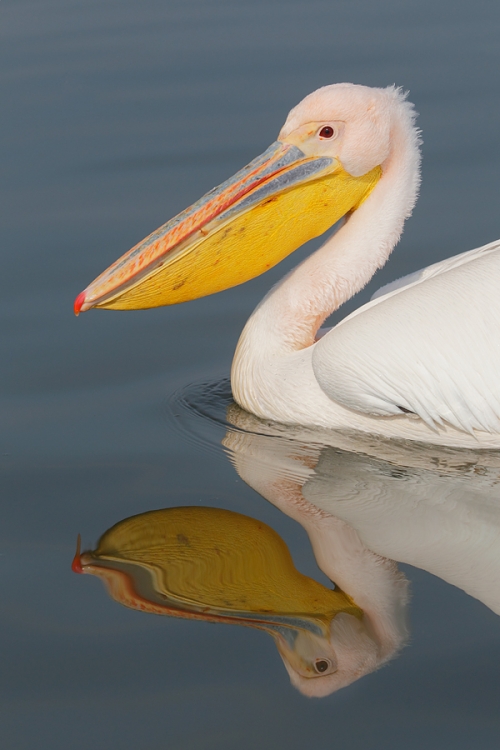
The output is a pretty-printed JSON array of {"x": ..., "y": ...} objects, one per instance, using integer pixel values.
[{"x": 115, "y": 116}]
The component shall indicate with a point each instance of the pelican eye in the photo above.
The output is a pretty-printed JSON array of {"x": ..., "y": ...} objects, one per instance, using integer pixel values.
[
  {"x": 321, "y": 665},
  {"x": 327, "y": 132}
]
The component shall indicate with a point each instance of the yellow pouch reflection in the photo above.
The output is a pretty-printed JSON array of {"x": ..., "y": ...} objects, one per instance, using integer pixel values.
[{"x": 220, "y": 566}]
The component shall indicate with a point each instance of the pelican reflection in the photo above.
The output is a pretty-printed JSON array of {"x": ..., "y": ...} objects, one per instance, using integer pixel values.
[
  {"x": 220, "y": 566},
  {"x": 364, "y": 511},
  {"x": 436, "y": 509}
]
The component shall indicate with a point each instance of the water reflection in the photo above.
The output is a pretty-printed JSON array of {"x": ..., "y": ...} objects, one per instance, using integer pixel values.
[
  {"x": 436, "y": 509},
  {"x": 367, "y": 504},
  {"x": 364, "y": 511},
  {"x": 221, "y": 566}
]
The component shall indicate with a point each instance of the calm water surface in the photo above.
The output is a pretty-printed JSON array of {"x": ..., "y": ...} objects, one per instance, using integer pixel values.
[{"x": 115, "y": 116}]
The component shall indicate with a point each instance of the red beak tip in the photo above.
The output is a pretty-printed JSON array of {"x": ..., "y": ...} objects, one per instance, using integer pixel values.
[
  {"x": 76, "y": 565},
  {"x": 79, "y": 303}
]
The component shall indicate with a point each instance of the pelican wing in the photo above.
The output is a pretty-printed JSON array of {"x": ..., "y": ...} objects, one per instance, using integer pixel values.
[
  {"x": 430, "y": 347},
  {"x": 434, "y": 270}
]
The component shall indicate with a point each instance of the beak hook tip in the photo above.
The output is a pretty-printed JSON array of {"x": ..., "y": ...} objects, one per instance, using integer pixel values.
[
  {"x": 79, "y": 302},
  {"x": 76, "y": 565}
]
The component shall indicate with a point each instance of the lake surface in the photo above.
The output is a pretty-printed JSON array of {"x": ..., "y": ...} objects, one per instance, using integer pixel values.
[{"x": 115, "y": 116}]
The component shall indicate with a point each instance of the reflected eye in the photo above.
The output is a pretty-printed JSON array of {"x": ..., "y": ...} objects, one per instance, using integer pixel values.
[
  {"x": 326, "y": 132},
  {"x": 321, "y": 665}
]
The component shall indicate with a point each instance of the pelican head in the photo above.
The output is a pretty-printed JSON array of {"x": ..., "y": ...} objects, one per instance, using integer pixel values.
[
  {"x": 329, "y": 156},
  {"x": 355, "y": 655}
]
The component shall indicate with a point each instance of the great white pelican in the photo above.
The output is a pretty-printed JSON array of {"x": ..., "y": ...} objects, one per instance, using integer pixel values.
[{"x": 419, "y": 362}]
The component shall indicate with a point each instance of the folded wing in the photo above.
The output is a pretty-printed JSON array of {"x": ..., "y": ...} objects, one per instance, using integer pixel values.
[{"x": 429, "y": 346}]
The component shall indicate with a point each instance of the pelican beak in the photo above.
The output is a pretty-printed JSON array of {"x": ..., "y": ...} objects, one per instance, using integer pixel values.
[{"x": 235, "y": 232}]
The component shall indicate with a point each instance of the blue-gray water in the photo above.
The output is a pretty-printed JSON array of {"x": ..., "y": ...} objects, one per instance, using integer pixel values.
[{"x": 116, "y": 115}]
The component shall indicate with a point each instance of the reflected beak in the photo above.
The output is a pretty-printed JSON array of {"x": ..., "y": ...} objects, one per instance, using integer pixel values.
[
  {"x": 235, "y": 232},
  {"x": 127, "y": 584}
]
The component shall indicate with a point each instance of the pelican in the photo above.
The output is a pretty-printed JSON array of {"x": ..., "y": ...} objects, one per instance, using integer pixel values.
[{"x": 418, "y": 362}]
